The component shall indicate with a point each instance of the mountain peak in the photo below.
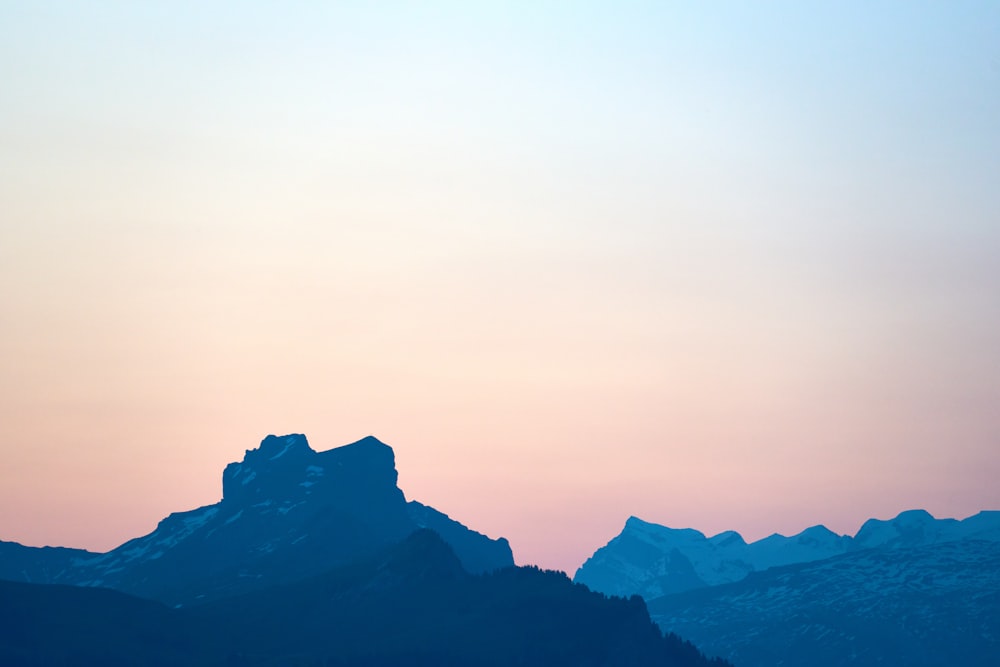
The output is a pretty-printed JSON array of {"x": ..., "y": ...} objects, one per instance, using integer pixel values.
[
  {"x": 276, "y": 457},
  {"x": 367, "y": 441},
  {"x": 285, "y": 466},
  {"x": 727, "y": 539},
  {"x": 274, "y": 446},
  {"x": 658, "y": 533},
  {"x": 907, "y": 528},
  {"x": 422, "y": 555},
  {"x": 915, "y": 516}
]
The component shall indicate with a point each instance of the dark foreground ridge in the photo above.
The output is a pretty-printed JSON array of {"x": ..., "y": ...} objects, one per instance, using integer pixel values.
[
  {"x": 287, "y": 512},
  {"x": 410, "y": 605}
]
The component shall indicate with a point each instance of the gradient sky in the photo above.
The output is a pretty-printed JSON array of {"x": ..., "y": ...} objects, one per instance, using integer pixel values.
[{"x": 721, "y": 265}]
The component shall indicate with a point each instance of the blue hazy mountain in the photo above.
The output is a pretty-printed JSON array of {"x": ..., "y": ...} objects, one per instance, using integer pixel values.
[
  {"x": 412, "y": 604},
  {"x": 912, "y": 590},
  {"x": 930, "y": 605},
  {"x": 287, "y": 512},
  {"x": 651, "y": 560}
]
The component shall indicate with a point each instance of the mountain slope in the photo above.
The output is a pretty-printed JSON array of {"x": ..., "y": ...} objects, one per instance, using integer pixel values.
[
  {"x": 42, "y": 565},
  {"x": 287, "y": 512},
  {"x": 936, "y": 605}
]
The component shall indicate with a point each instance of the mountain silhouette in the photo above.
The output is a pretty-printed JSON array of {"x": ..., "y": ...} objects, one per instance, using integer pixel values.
[
  {"x": 287, "y": 512},
  {"x": 911, "y": 590}
]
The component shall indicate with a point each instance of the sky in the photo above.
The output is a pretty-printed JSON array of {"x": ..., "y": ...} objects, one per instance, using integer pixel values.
[{"x": 717, "y": 265}]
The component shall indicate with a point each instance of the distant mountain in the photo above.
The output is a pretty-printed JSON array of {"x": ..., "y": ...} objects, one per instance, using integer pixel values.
[
  {"x": 917, "y": 528},
  {"x": 913, "y": 590},
  {"x": 412, "y": 604},
  {"x": 652, "y": 560},
  {"x": 934, "y": 604},
  {"x": 287, "y": 512}
]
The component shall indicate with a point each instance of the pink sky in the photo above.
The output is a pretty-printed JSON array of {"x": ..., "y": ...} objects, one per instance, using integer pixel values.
[{"x": 723, "y": 268}]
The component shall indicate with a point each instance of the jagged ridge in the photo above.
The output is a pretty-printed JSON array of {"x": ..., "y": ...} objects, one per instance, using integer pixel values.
[{"x": 652, "y": 560}]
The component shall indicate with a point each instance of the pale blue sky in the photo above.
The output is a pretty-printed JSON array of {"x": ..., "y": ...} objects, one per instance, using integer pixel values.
[{"x": 728, "y": 265}]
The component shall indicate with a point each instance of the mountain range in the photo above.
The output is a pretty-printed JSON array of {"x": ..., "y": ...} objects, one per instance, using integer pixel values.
[
  {"x": 651, "y": 560},
  {"x": 317, "y": 558},
  {"x": 314, "y": 558},
  {"x": 913, "y": 590}
]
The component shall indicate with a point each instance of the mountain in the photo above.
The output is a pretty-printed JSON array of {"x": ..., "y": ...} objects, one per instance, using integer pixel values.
[
  {"x": 287, "y": 512},
  {"x": 37, "y": 564},
  {"x": 652, "y": 560},
  {"x": 411, "y": 604},
  {"x": 919, "y": 528},
  {"x": 922, "y": 606}
]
